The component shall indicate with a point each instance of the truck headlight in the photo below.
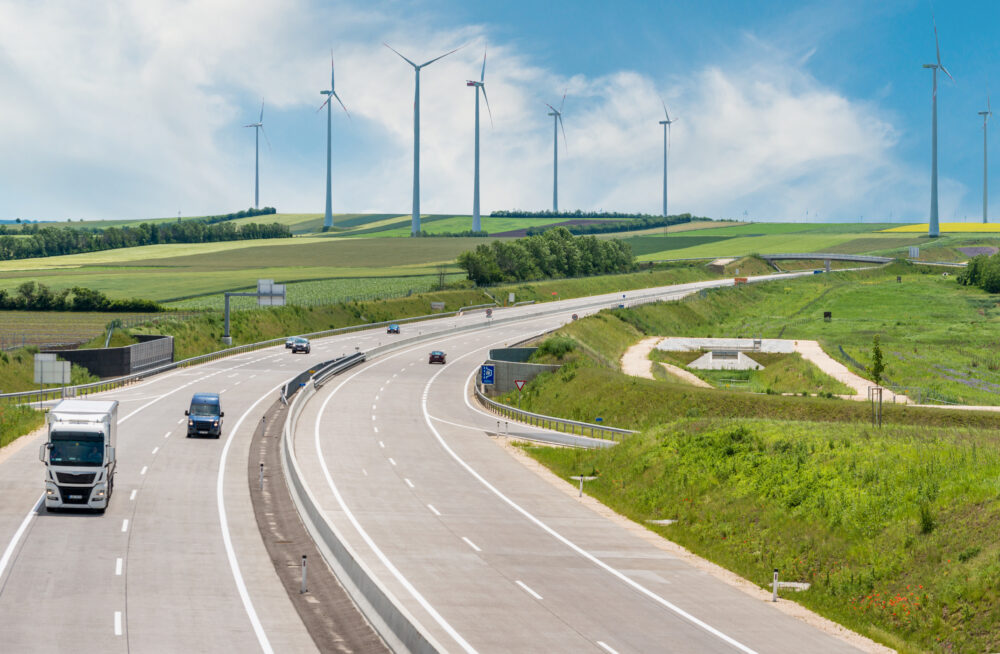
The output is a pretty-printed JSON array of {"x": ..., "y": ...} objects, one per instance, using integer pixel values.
[
  {"x": 50, "y": 493},
  {"x": 215, "y": 424},
  {"x": 190, "y": 423}
]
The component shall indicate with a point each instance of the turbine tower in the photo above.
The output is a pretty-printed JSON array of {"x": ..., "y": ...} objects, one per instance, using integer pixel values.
[
  {"x": 932, "y": 229},
  {"x": 557, "y": 122},
  {"x": 481, "y": 84},
  {"x": 415, "y": 223},
  {"x": 986, "y": 116},
  {"x": 666, "y": 147},
  {"x": 331, "y": 93},
  {"x": 258, "y": 128}
]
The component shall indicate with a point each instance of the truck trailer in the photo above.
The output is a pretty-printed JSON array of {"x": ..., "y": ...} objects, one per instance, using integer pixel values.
[{"x": 79, "y": 454}]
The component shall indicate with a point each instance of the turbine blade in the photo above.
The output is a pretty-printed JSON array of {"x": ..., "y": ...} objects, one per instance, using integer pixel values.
[
  {"x": 551, "y": 107},
  {"x": 565, "y": 144},
  {"x": 261, "y": 119},
  {"x": 342, "y": 105},
  {"x": 331, "y": 70},
  {"x": 482, "y": 76},
  {"x": 428, "y": 63},
  {"x": 665, "y": 112},
  {"x": 401, "y": 56},
  {"x": 254, "y": 125},
  {"x": 323, "y": 105},
  {"x": 563, "y": 102},
  {"x": 947, "y": 73},
  {"x": 488, "y": 110},
  {"x": 937, "y": 47},
  {"x": 266, "y": 140}
]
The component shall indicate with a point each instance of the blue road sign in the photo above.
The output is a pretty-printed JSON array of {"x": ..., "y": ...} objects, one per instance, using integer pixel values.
[{"x": 487, "y": 374}]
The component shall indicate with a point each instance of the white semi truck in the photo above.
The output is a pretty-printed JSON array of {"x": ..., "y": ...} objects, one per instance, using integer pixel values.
[{"x": 79, "y": 455}]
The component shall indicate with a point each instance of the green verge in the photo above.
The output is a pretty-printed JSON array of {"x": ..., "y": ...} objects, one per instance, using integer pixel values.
[
  {"x": 17, "y": 371},
  {"x": 894, "y": 528},
  {"x": 16, "y": 421}
]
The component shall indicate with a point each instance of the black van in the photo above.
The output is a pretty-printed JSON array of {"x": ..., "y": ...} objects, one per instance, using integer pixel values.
[{"x": 205, "y": 415}]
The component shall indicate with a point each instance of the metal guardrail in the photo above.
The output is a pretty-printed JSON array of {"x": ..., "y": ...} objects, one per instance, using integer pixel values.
[
  {"x": 109, "y": 384},
  {"x": 551, "y": 422}
]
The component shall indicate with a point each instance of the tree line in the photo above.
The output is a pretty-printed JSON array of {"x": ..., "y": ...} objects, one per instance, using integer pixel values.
[
  {"x": 33, "y": 296},
  {"x": 46, "y": 241},
  {"x": 631, "y": 225},
  {"x": 982, "y": 271},
  {"x": 523, "y": 213},
  {"x": 555, "y": 253}
]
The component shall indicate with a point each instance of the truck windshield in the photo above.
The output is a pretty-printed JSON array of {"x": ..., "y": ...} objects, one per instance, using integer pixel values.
[
  {"x": 76, "y": 449},
  {"x": 204, "y": 409}
]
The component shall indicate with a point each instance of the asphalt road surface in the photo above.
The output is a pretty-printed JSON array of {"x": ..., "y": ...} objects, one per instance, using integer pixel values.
[{"x": 484, "y": 554}]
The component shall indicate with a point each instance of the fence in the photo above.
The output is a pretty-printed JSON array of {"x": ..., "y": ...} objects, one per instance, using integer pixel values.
[
  {"x": 918, "y": 394},
  {"x": 551, "y": 422}
]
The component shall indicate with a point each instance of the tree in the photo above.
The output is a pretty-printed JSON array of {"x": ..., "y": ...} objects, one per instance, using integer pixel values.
[{"x": 877, "y": 367}]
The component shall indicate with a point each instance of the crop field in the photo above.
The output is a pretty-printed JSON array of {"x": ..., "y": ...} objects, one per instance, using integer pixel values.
[
  {"x": 329, "y": 291},
  {"x": 167, "y": 272},
  {"x": 21, "y": 328},
  {"x": 957, "y": 228}
]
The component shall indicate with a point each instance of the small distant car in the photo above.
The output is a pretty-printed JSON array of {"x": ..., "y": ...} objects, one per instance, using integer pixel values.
[
  {"x": 289, "y": 341},
  {"x": 393, "y": 329},
  {"x": 300, "y": 344},
  {"x": 437, "y": 356}
]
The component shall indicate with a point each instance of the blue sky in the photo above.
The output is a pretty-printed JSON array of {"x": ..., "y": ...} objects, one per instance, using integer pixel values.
[{"x": 788, "y": 110}]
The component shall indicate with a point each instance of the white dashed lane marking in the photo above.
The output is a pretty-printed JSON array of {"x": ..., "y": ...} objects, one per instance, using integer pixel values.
[
  {"x": 528, "y": 590},
  {"x": 473, "y": 546}
]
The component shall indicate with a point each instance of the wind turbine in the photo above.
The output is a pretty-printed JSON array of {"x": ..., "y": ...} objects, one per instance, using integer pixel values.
[
  {"x": 481, "y": 84},
  {"x": 557, "y": 122},
  {"x": 331, "y": 93},
  {"x": 415, "y": 223},
  {"x": 666, "y": 147},
  {"x": 258, "y": 129},
  {"x": 932, "y": 229},
  {"x": 986, "y": 116}
]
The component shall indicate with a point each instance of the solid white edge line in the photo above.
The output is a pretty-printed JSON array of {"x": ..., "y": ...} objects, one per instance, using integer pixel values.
[
  {"x": 444, "y": 624},
  {"x": 527, "y": 590},
  {"x": 118, "y": 623},
  {"x": 472, "y": 545},
  {"x": 552, "y": 532},
  {"x": 606, "y": 647},
  {"x": 118, "y": 566},
  {"x": 234, "y": 565},
  {"x": 16, "y": 538}
]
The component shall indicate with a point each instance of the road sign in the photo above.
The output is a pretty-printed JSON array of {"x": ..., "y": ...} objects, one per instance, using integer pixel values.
[
  {"x": 489, "y": 313},
  {"x": 520, "y": 383},
  {"x": 486, "y": 374},
  {"x": 50, "y": 371}
]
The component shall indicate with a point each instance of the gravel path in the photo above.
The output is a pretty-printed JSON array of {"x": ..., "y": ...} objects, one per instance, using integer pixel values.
[{"x": 636, "y": 362}]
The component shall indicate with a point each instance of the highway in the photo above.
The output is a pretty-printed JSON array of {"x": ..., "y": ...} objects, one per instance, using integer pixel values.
[{"x": 485, "y": 555}]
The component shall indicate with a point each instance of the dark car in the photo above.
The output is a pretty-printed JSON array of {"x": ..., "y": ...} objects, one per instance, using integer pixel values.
[
  {"x": 437, "y": 356},
  {"x": 393, "y": 329},
  {"x": 301, "y": 345},
  {"x": 289, "y": 341},
  {"x": 205, "y": 415}
]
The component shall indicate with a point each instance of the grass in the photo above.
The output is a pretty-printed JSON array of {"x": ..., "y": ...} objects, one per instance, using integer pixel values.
[
  {"x": 938, "y": 337},
  {"x": 782, "y": 373},
  {"x": 893, "y": 529},
  {"x": 17, "y": 420},
  {"x": 17, "y": 371}
]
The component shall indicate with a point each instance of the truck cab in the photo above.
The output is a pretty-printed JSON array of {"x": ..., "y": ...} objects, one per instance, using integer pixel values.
[
  {"x": 79, "y": 455},
  {"x": 205, "y": 415}
]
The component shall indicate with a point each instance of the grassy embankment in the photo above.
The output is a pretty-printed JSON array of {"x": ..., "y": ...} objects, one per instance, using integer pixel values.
[
  {"x": 782, "y": 373},
  {"x": 894, "y": 528},
  {"x": 937, "y": 337},
  {"x": 16, "y": 421}
]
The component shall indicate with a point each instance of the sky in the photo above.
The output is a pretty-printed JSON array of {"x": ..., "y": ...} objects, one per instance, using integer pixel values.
[{"x": 786, "y": 111}]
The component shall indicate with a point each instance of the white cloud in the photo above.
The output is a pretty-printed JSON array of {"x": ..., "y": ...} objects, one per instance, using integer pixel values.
[{"x": 134, "y": 109}]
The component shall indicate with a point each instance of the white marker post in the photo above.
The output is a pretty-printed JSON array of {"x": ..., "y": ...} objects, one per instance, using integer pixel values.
[
  {"x": 582, "y": 479},
  {"x": 303, "y": 590},
  {"x": 262, "y": 476},
  {"x": 774, "y": 587}
]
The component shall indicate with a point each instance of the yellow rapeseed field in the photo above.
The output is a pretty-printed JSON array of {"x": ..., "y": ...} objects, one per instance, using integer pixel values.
[{"x": 949, "y": 227}]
